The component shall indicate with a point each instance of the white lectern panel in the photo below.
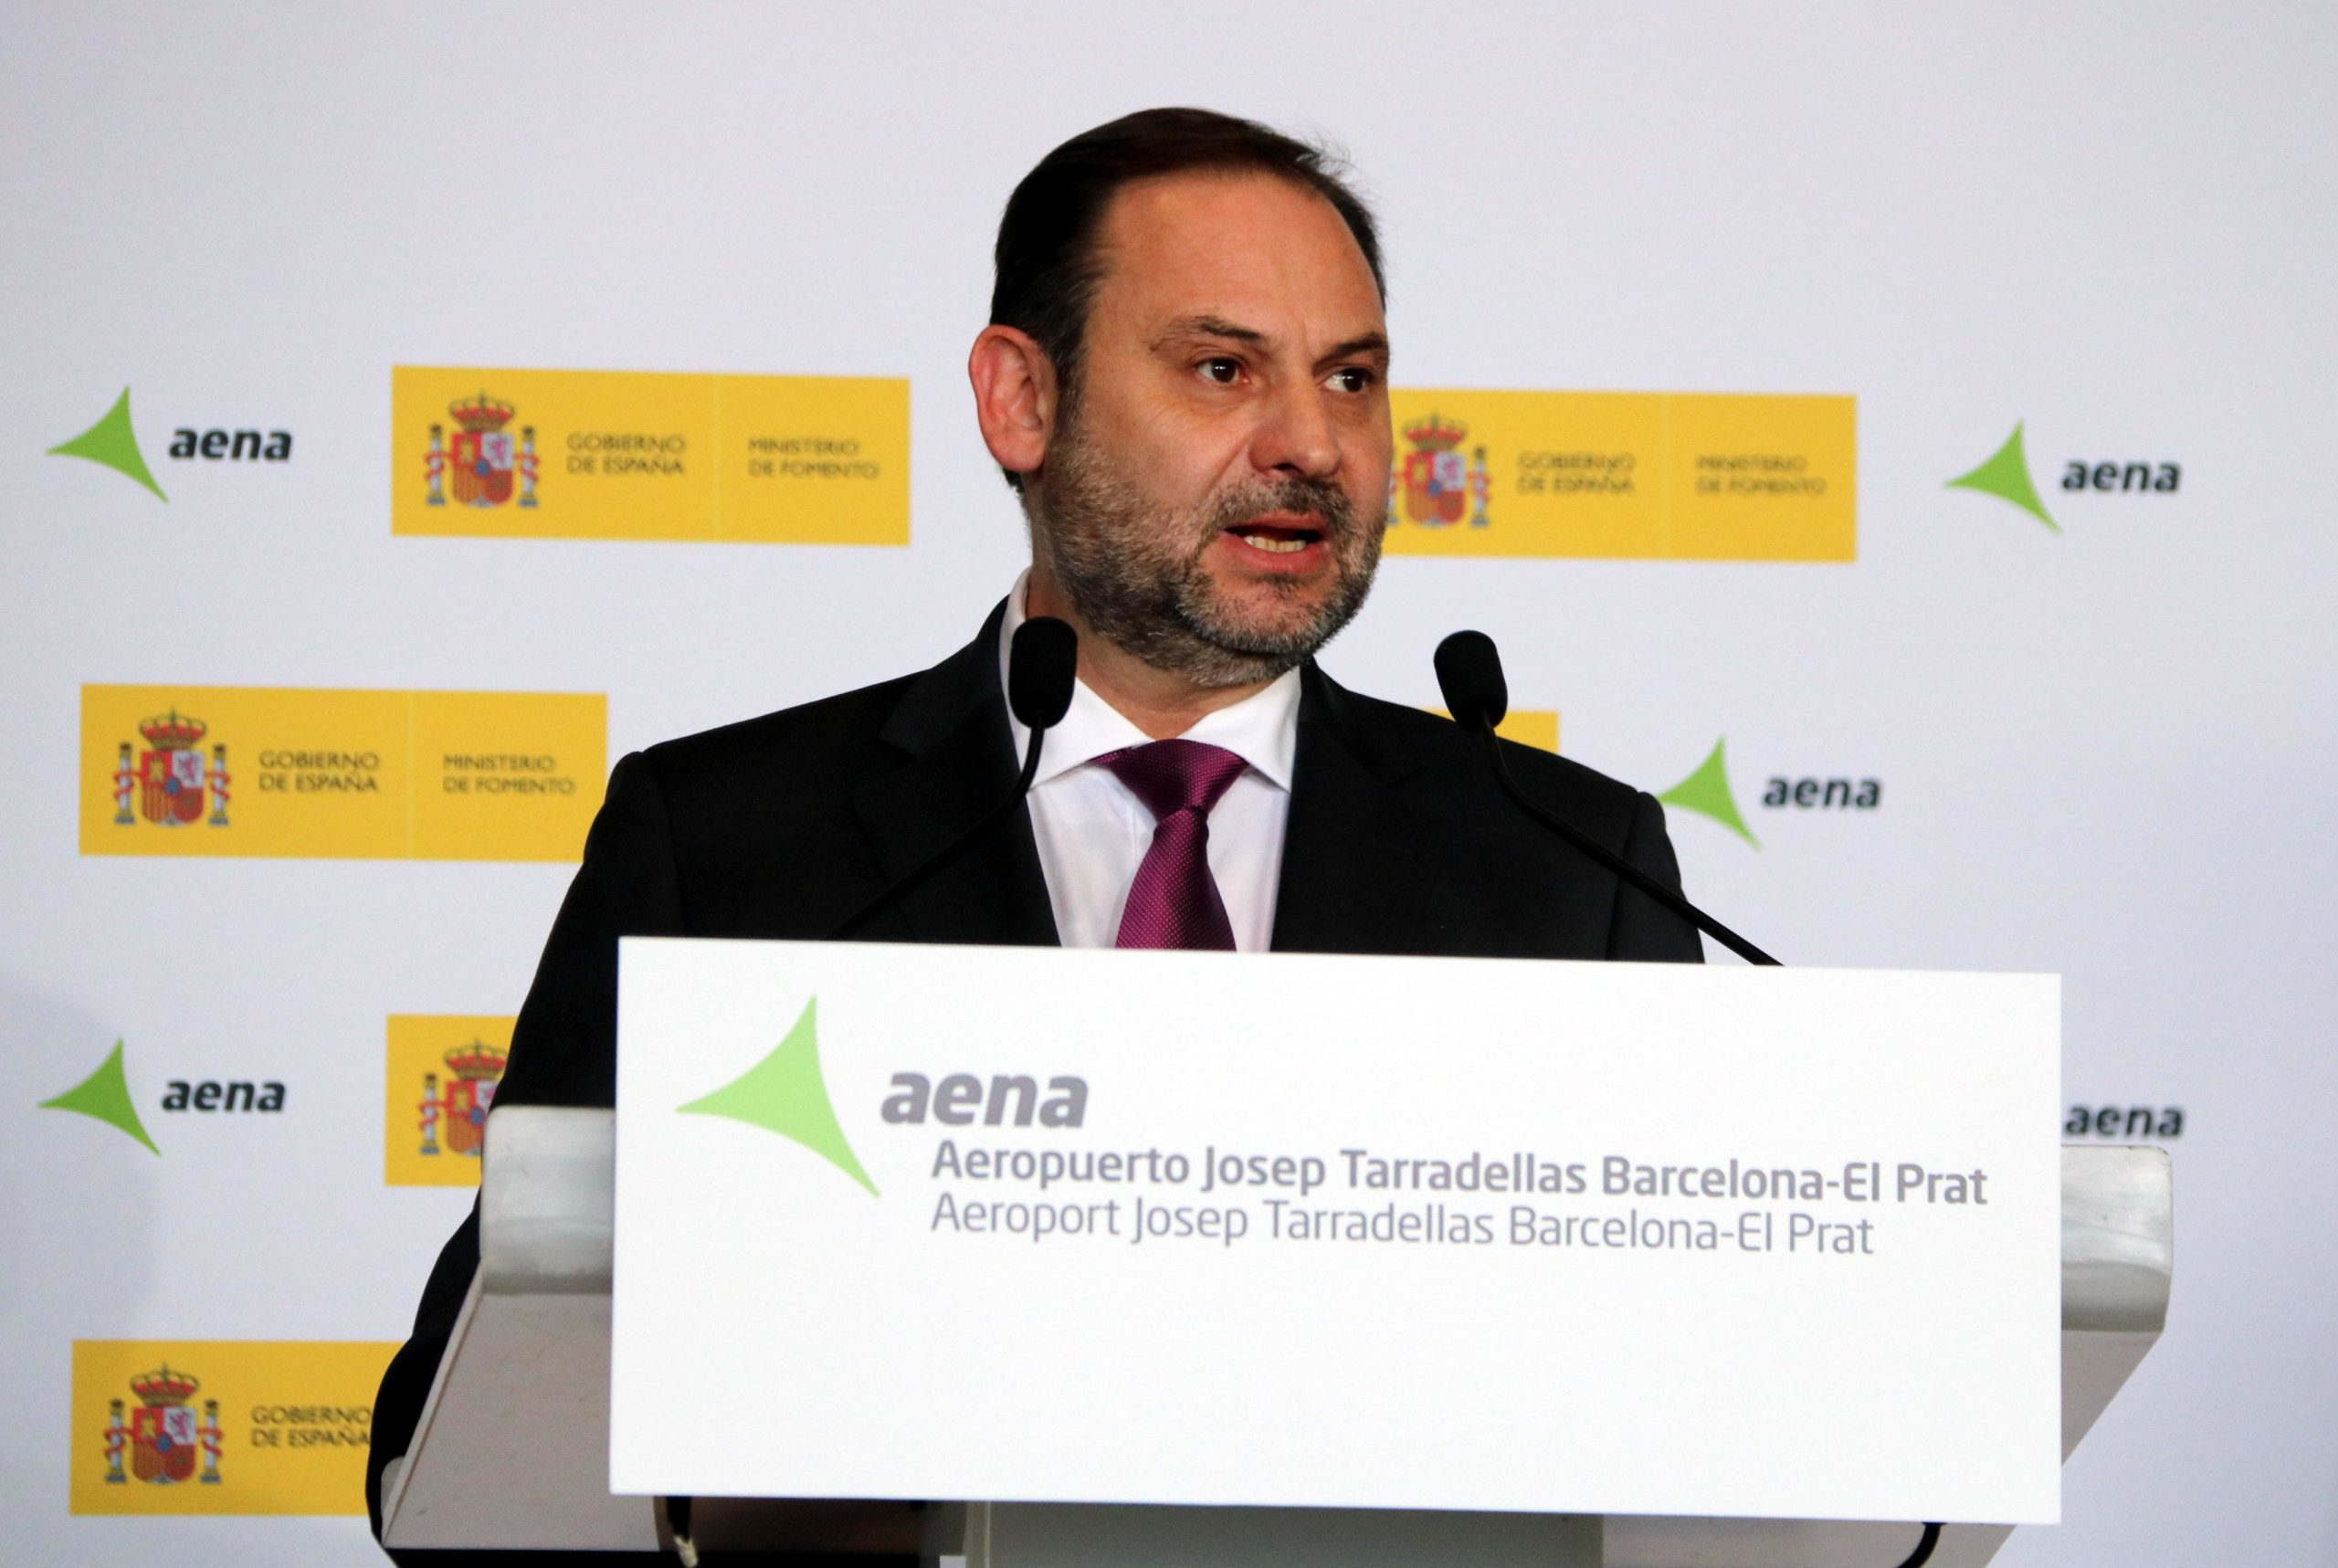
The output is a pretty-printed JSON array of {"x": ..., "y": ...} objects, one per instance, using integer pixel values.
[{"x": 926, "y": 1222}]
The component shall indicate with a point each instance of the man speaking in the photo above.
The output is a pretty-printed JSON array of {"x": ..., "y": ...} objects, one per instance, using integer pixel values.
[{"x": 1184, "y": 379}]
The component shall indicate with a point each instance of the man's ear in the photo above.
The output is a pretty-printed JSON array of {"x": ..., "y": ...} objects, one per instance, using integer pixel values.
[{"x": 1014, "y": 396}]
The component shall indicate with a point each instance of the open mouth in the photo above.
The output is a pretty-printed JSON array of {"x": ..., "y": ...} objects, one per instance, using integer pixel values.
[{"x": 1278, "y": 534}]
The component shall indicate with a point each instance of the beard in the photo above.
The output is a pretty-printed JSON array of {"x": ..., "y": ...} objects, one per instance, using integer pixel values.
[{"x": 1132, "y": 567}]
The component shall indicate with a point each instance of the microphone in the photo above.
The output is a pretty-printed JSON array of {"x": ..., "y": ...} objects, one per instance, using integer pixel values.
[
  {"x": 1468, "y": 671},
  {"x": 1041, "y": 664}
]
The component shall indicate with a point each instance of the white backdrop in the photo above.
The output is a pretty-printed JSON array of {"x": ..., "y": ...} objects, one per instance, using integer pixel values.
[{"x": 2102, "y": 751}]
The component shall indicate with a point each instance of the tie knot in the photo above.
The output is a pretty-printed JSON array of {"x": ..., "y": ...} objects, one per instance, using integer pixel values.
[{"x": 1171, "y": 777}]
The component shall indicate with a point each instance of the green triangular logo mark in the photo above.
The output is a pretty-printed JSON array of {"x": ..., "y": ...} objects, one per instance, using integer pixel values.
[
  {"x": 785, "y": 1093},
  {"x": 1707, "y": 791},
  {"x": 105, "y": 1094},
  {"x": 2007, "y": 477},
  {"x": 111, "y": 441}
]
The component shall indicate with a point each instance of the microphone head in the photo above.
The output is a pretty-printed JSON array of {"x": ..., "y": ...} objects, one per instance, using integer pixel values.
[
  {"x": 1041, "y": 664},
  {"x": 1468, "y": 671}
]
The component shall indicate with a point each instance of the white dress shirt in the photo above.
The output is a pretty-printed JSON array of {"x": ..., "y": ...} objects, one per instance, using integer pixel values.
[{"x": 1093, "y": 831}]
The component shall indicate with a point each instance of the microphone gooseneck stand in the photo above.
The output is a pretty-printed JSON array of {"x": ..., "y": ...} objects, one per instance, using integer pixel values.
[
  {"x": 887, "y": 898},
  {"x": 1469, "y": 672},
  {"x": 1041, "y": 665},
  {"x": 1614, "y": 862}
]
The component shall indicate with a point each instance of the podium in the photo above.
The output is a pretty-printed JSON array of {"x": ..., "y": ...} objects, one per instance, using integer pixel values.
[{"x": 512, "y": 1449}]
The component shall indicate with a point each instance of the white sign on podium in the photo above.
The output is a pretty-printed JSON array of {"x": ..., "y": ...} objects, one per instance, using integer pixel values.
[{"x": 905, "y": 1221}]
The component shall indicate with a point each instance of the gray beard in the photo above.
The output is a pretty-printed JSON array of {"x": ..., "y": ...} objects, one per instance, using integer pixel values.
[{"x": 1132, "y": 568}]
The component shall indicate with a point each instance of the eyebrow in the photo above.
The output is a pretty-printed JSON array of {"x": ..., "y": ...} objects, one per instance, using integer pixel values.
[
  {"x": 1368, "y": 343},
  {"x": 1210, "y": 327},
  {"x": 1218, "y": 327}
]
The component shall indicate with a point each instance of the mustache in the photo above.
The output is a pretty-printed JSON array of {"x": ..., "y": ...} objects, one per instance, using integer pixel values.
[{"x": 1326, "y": 502}]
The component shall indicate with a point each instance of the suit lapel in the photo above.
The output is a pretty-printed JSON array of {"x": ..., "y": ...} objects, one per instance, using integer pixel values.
[
  {"x": 958, "y": 762},
  {"x": 1351, "y": 881}
]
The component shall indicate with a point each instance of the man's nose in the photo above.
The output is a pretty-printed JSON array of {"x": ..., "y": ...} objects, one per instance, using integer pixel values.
[{"x": 1295, "y": 436}]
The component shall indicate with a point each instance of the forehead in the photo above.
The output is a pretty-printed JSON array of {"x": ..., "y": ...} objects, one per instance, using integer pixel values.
[{"x": 1254, "y": 247}]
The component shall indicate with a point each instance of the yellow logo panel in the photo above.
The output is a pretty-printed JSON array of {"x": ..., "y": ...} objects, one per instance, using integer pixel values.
[
  {"x": 1625, "y": 475},
  {"x": 265, "y": 771},
  {"x": 222, "y": 1426},
  {"x": 442, "y": 1072},
  {"x": 592, "y": 454}
]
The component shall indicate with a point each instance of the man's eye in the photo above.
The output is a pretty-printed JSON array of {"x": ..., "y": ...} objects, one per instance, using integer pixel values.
[
  {"x": 1223, "y": 371},
  {"x": 1355, "y": 378}
]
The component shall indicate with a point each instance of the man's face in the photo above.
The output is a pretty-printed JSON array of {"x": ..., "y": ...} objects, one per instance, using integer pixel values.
[{"x": 1214, "y": 495}]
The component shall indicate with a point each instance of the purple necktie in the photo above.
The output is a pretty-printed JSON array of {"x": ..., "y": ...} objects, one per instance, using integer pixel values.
[{"x": 1174, "y": 902}]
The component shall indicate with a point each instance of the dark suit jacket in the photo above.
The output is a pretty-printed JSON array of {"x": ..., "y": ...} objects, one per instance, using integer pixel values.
[{"x": 1398, "y": 841}]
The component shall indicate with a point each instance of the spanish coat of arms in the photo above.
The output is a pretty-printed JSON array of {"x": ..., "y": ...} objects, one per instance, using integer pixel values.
[
  {"x": 458, "y": 1113},
  {"x": 173, "y": 780},
  {"x": 166, "y": 1441},
  {"x": 485, "y": 465},
  {"x": 1439, "y": 486}
]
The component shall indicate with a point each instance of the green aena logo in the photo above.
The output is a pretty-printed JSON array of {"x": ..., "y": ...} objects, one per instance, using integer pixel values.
[
  {"x": 787, "y": 1093},
  {"x": 2006, "y": 476},
  {"x": 1707, "y": 792},
  {"x": 112, "y": 443}
]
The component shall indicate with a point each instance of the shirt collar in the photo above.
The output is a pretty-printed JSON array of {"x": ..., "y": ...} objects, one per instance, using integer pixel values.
[{"x": 1262, "y": 729}]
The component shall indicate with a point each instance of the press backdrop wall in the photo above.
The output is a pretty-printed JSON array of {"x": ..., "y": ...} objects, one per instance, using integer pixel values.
[{"x": 2094, "y": 726}]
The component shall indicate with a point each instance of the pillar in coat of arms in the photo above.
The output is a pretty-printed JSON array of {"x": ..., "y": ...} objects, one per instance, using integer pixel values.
[
  {"x": 212, "y": 1442},
  {"x": 117, "y": 1441}
]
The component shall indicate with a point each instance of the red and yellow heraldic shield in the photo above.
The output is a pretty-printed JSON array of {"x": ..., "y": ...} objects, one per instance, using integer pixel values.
[
  {"x": 163, "y": 1439},
  {"x": 481, "y": 470},
  {"x": 170, "y": 785}
]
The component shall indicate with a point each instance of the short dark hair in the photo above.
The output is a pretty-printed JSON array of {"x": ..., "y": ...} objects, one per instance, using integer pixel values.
[{"x": 1046, "y": 256}]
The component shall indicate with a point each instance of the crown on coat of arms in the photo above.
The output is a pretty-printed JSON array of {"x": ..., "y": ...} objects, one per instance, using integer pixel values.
[
  {"x": 476, "y": 1061},
  {"x": 173, "y": 732},
  {"x": 481, "y": 413},
  {"x": 163, "y": 1386},
  {"x": 1437, "y": 433}
]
